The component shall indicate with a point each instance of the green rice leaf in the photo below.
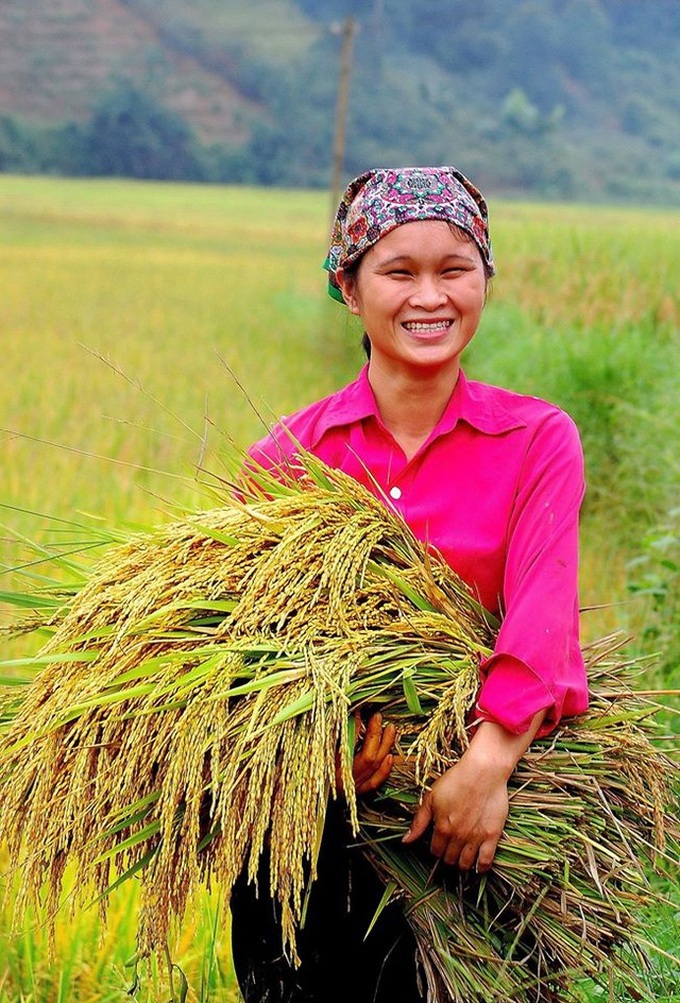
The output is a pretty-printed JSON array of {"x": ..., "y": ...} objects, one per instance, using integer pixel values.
[
  {"x": 387, "y": 896},
  {"x": 410, "y": 692}
]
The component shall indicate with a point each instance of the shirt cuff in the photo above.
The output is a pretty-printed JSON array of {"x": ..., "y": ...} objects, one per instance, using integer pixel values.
[{"x": 512, "y": 694}]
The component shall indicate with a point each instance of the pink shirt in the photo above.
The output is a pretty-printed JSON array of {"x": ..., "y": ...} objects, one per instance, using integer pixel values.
[{"x": 496, "y": 489}]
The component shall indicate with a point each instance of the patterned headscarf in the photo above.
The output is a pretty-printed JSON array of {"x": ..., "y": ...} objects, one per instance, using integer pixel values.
[{"x": 379, "y": 201}]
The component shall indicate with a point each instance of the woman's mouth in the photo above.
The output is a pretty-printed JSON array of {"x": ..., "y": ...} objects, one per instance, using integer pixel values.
[{"x": 428, "y": 327}]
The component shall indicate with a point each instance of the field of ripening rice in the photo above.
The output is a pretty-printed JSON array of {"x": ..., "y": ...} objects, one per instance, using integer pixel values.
[{"x": 146, "y": 327}]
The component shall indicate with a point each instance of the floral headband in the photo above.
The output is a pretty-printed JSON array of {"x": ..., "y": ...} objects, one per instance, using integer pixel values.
[{"x": 378, "y": 201}]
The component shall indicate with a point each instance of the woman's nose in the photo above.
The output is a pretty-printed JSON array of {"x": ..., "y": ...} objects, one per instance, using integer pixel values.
[{"x": 428, "y": 293}]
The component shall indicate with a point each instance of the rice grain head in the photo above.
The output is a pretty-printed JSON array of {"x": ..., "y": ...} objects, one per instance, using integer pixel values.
[{"x": 199, "y": 688}]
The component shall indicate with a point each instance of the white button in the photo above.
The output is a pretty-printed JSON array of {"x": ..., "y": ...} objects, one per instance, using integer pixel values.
[{"x": 395, "y": 493}]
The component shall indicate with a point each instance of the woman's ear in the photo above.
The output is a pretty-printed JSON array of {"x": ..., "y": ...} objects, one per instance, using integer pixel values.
[{"x": 348, "y": 288}]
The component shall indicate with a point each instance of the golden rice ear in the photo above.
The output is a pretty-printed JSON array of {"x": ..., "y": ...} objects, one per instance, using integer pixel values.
[{"x": 197, "y": 689}]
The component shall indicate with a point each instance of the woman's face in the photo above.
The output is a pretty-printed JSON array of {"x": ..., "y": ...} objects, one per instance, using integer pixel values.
[{"x": 420, "y": 293}]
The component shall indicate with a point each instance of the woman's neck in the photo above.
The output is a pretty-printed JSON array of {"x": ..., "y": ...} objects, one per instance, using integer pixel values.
[{"x": 411, "y": 403}]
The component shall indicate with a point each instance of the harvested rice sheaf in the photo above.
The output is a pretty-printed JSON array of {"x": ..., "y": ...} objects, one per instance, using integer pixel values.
[{"x": 195, "y": 690}]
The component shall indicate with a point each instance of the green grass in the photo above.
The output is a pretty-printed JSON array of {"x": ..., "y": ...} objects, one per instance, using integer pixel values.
[
  {"x": 92, "y": 963},
  {"x": 123, "y": 306}
]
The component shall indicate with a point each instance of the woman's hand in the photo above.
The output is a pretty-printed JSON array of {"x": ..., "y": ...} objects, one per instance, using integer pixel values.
[
  {"x": 468, "y": 805},
  {"x": 373, "y": 759}
]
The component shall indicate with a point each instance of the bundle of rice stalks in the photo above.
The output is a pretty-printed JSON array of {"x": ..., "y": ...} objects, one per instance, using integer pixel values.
[{"x": 194, "y": 692}]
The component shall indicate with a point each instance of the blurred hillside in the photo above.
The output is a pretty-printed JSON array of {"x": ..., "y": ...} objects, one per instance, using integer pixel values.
[{"x": 552, "y": 98}]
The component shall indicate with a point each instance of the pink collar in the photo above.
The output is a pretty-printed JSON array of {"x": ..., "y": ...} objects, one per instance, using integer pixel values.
[{"x": 471, "y": 402}]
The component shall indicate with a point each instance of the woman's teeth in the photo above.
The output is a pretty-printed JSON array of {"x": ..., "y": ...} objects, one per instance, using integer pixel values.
[{"x": 438, "y": 325}]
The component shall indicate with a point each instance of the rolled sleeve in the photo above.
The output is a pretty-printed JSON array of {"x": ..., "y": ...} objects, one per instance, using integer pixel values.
[{"x": 512, "y": 694}]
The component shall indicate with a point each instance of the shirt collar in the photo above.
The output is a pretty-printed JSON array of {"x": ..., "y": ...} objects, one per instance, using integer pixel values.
[
  {"x": 485, "y": 407},
  {"x": 481, "y": 406}
]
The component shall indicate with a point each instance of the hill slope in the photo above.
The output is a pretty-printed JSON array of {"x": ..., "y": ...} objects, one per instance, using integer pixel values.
[
  {"x": 566, "y": 98},
  {"x": 59, "y": 57}
]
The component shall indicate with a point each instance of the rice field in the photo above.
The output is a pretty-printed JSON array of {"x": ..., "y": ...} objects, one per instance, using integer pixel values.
[{"x": 144, "y": 327}]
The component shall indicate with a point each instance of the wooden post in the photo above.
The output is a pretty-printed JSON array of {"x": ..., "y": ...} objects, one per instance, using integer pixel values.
[{"x": 348, "y": 32}]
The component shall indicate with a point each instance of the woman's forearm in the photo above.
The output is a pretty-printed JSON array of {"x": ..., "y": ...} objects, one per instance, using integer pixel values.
[{"x": 494, "y": 745}]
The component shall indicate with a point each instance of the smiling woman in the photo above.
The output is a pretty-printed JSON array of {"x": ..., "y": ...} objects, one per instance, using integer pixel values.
[
  {"x": 420, "y": 292},
  {"x": 490, "y": 479}
]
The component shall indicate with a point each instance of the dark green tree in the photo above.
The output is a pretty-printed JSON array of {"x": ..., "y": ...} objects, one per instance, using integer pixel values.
[{"x": 131, "y": 135}]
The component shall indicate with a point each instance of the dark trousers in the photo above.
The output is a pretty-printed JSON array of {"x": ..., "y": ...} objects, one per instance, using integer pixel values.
[{"x": 338, "y": 963}]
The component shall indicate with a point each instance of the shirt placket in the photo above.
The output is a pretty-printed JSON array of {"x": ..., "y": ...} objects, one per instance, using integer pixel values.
[
  {"x": 400, "y": 480},
  {"x": 394, "y": 472}
]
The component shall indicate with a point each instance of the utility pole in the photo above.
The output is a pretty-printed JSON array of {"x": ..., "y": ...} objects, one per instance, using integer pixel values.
[
  {"x": 378, "y": 18},
  {"x": 349, "y": 30}
]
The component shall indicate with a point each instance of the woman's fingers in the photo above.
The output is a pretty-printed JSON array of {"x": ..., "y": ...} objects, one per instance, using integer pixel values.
[
  {"x": 373, "y": 736},
  {"x": 374, "y": 759},
  {"x": 485, "y": 857},
  {"x": 421, "y": 820},
  {"x": 376, "y": 779},
  {"x": 469, "y": 854}
]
